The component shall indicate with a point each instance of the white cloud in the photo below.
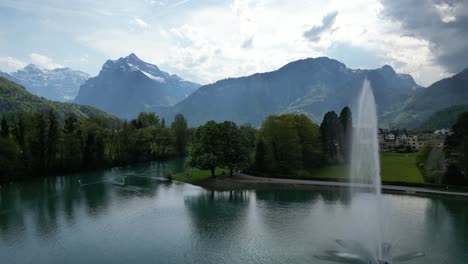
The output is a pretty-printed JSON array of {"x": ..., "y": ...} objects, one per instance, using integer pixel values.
[
  {"x": 247, "y": 11},
  {"x": 211, "y": 42},
  {"x": 9, "y": 64},
  {"x": 140, "y": 23},
  {"x": 44, "y": 61}
]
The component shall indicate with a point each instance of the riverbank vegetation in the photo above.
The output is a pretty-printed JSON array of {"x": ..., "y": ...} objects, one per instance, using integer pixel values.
[
  {"x": 40, "y": 144},
  {"x": 450, "y": 165},
  {"x": 286, "y": 145}
]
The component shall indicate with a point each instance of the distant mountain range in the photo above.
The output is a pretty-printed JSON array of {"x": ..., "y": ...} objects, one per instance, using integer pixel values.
[
  {"x": 442, "y": 94},
  {"x": 314, "y": 86},
  {"x": 61, "y": 84},
  {"x": 14, "y": 97},
  {"x": 128, "y": 86},
  {"x": 309, "y": 86}
]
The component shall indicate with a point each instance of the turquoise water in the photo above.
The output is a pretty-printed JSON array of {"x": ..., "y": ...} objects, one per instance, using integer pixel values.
[{"x": 133, "y": 215}]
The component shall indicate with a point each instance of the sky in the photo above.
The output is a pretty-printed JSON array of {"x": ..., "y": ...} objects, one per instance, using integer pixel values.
[{"x": 204, "y": 41}]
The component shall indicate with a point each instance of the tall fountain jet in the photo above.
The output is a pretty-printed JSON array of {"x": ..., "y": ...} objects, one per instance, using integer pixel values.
[
  {"x": 365, "y": 161},
  {"x": 366, "y": 221}
]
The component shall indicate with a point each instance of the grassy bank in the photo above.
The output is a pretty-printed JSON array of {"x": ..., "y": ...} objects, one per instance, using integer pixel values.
[
  {"x": 197, "y": 175},
  {"x": 396, "y": 168}
]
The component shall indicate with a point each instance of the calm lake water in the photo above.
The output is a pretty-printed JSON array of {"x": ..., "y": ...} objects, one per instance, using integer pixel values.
[{"x": 133, "y": 215}]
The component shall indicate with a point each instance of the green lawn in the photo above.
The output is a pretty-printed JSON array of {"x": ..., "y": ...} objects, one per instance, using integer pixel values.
[
  {"x": 197, "y": 175},
  {"x": 400, "y": 168},
  {"x": 395, "y": 168}
]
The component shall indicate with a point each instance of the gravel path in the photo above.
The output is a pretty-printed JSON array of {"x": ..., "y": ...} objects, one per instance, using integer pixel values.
[{"x": 405, "y": 189}]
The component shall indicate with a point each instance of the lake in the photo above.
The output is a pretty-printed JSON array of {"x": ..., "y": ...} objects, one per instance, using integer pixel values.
[{"x": 133, "y": 215}]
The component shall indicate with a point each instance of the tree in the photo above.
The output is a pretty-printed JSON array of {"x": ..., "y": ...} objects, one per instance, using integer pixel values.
[
  {"x": 457, "y": 147},
  {"x": 346, "y": 121},
  {"x": 250, "y": 134},
  {"x": 207, "y": 147},
  {"x": 332, "y": 137},
  {"x": 72, "y": 152},
  {"x": 38, "y": 142},
  {"x": 5, "y": 130},
  {"x": 145, "y": 120},
  {"x": 180, "y": 130},
  {"x": 288, "y": 143},
  {"x": 53, "y": 137},
  {"x": 9, "y": 155},
  {"x": 235, "y": 153},
  {"x": 260, "y": 156}
]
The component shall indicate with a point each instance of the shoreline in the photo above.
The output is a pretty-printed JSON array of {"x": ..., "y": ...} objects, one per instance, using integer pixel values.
[{"x": 248, "y": 182}]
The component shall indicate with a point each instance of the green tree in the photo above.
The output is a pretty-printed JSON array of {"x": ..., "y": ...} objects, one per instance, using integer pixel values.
[
  {"x": 53, "y": 138},
  {"x": 332, "y": 136},
  {"x": 250, "y": 134},
  {"x": 9, "y": 154},
  {"x": 457, "y": 148},
  {"x": 288, "y": 143},
  {"x": 72, "y": 140},
  {"x": 260, "y": 156},
  {"x": 346, "y": 121},
  {"x": 5, "y": 130},
  {"x": 235, "y": 153},
  {"x": 180, "y": 130},
  {"x": 145, "y": 120},
  {"x": 207, "y": 145}
]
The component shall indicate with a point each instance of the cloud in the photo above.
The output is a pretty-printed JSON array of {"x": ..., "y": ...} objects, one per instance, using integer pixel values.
[
  {"x": 9, "y": 64},
  {"x": 443, "y": 24},
  {"x": 247, "y": 11},
  {"x": 315, "y": 33},
  {"x": 140, "y": 23},
  {"x": 44, "y": 61}
]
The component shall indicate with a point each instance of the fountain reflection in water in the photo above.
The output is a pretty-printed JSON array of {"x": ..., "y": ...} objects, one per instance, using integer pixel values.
[{"x": 367, "y": 245}]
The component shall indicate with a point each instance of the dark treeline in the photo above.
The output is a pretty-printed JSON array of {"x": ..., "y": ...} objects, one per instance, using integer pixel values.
[{"x": 39, "y": 143}]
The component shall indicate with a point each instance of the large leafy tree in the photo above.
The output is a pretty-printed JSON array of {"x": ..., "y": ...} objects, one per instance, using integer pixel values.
[
  {"x": 287, "y": 143},
  {"x": 207, "y": 147},
  {"x": 235, "y": 152}
]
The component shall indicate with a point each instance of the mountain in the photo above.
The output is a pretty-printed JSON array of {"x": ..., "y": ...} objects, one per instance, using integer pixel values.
[
  {"x": 442, "y": 94},
  {"x": 61, "y": 84},
  {"x": 128, "y": 86},
  {"x": 14, "y": 97},
  {"x": 311, "y": 86},
  {"x": 445, "y": 118}
]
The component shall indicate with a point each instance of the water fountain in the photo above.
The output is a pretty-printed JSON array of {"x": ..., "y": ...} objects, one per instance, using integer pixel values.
[{"x": 368, "y": 246}]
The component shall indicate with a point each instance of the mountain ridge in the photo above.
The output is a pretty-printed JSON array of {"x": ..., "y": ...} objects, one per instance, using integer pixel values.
[
  {"x": 60, "y": 84},
  {"x": 14, "y": 97},
  {"x": 311, "y": 86},
  {"x": 129, "y": 85}
]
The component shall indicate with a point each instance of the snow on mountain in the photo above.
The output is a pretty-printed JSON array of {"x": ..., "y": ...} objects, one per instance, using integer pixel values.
[
  {"x": 128, "y": 86},
  {"x": 61, "y": 84}
]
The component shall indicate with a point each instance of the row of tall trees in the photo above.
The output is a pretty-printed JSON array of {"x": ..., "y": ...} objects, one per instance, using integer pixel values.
[
  {"x": 40, "y": 143},
  {"x": 336, "y": 136}
]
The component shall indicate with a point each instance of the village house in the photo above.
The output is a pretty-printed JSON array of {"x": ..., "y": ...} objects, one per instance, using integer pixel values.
[{"x": 390, "y": 140}]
